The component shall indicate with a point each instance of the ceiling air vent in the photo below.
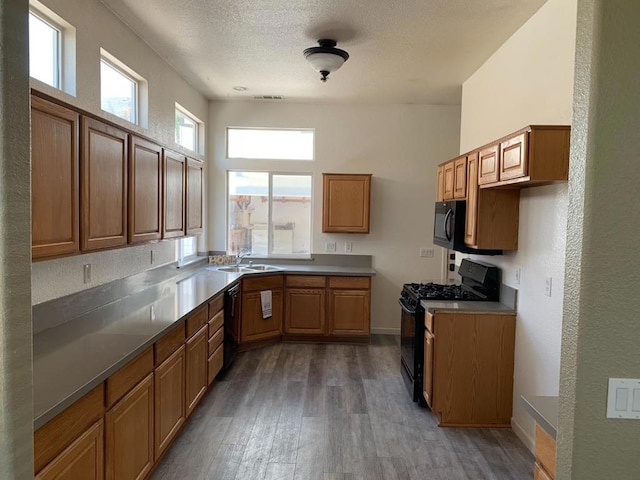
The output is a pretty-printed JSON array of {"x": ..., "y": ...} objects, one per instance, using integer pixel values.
[{"x": 268, "y": 97}]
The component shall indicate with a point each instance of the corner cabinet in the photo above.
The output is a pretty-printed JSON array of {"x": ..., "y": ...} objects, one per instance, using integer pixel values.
[
  {"x": 104, "y": 166},
  {"x": 346, "y": 203},
  {"x": 253, "y": 327},
  {"x": 54, "y": 180}
]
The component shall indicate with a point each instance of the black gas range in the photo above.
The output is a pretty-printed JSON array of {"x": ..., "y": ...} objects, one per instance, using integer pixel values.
[{"x": 480, "y": 282}]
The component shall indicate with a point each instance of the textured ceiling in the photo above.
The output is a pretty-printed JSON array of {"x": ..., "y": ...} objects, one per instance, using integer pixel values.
[{"x": 403, "y": 51}]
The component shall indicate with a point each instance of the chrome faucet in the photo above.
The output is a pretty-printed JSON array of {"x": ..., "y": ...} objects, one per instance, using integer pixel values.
[{"x": 239, "y": 258}]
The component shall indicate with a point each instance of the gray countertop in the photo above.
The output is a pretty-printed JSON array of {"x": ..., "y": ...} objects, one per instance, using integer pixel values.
[
  {"x": 544, "y": 410},
  {"x": 72, "y": 358},
  {"x": 433, "y": 306}
]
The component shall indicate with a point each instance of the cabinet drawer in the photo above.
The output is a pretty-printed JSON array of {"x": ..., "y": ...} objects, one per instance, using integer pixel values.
[
  {"x": 168, "y": 344},
  {"x": 128, "y": 377},
  {"x": 215, "y": 364},
  {"x": 350, "y": 282},
  {"x": 216, "y": 340},
  {"x": 216, "y": 323},
  {"x": 545, "y": 450},
  {"x": 216, "y": 305},
  {"x": 262, "y": 283},
  {"x": 306, "y": 281},
  {"x": 53, "y": 437},
  {"x": 196, "y": 320},
  {"x": 428, "y": 321}
]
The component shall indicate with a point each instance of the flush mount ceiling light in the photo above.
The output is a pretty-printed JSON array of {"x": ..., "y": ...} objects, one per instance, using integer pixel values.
[{"x": 326, "y": 58}]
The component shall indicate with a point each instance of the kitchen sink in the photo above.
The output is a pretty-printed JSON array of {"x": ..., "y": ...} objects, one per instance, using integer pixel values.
[
  {"x": 262, "y": 268},
  {"x": 232, "y": 269}
]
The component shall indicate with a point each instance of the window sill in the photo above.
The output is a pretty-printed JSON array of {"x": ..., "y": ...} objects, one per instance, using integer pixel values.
[{"x": 189, "y": 260}]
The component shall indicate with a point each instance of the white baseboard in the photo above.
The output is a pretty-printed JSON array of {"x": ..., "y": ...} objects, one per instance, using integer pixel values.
[
  {"x": 386, "y": 331},
  {"x": 520, "y": 432}
]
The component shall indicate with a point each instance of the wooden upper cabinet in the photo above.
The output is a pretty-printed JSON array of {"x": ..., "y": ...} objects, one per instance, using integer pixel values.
[
  {"x": 194, "y": 196},
  {"x": 448, "y": 172},
  {"x": 346, "y": 203},
  {"x": 145, "y": 186},
  {"x": 472, "y": 200},
  {"x": 513, "y": 155},
  {"x": 174, "y": 213},
  {"x": 440, "y": 191},
  {"x": 460, "y": 178},
  {"x": 489, "y": 166},
  {"x": 54, "y": 180},
  {"x": 103, "y": 186}
]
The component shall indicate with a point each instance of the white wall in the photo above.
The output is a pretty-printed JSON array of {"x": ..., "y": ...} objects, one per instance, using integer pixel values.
[
  {"x": 96, "y": 27},
  {"x": 529, "y": 80},
  {"x": 399, "y": 144}
]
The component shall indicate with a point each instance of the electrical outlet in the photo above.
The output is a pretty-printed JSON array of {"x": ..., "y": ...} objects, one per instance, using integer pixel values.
[
  {"x": 426, "y": 252},
  {"x": 152, "y": 313},
  {"x": 547, "y": 286},
  {"x": 87, "y": 272},
  {"x": 518, "y": 274},
  {"x": 348, "y": 247},
  {"x": 151, "y": 259},
  {"x": 330, "y": 246}
]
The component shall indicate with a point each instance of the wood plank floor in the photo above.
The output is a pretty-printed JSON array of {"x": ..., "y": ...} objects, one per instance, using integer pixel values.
[{"x": 331, "y": 412}]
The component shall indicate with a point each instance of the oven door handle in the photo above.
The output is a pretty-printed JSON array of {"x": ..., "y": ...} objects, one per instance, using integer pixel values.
[{"x": 406, "y": 310}]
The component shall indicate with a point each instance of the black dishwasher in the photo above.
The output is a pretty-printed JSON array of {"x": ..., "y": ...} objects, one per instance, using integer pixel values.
[{"x": 231, "y": 324}]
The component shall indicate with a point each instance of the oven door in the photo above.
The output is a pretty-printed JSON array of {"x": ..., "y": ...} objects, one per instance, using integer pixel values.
[{"x": 408, "y": 338}]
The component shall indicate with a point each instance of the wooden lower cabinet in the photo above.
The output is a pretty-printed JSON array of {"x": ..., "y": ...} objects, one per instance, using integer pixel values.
[
  {"x": 196, "y": 367},
  {"x": 254, "y": 327},
  {"x": 427, "y": 368},
  {"x": 129, "y": 434},
  {"x": 472, "y": 375},
  {"x": 305, "y": 311},
  {"x": 83, "y": 459},
  {"x": 169, "y": 400},
  {"x": 349, "y": 305},
  {"x": 214, "y": 364}
]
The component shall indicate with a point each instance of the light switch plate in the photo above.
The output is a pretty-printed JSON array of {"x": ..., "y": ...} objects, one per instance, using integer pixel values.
[
  {"x": 348, "y": 247},
  {"x": 623, "y": 398},
  {"x": 547, "y": 286},
  {"x": 518, "y": 275},
  {"x": 426, "y": 252},
  {"x": 87, "y": 272}
]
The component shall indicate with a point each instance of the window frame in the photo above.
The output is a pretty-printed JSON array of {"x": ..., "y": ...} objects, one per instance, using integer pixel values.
[
  {"x": 59, "y": 46},
  {"x": 184, "y": 259},
  {"x": 271, "y": 173},
  {"x": 313, "y": 146},
  {"x": 198, "y": 130},
  {"x": 119, "y": 67}
]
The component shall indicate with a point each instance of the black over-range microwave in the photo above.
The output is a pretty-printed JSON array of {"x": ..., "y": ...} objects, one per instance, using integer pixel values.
[{"x": 448, "y": 228}]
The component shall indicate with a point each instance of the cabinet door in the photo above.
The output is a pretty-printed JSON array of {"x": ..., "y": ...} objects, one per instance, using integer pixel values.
[
  {"x": 129, "y": 434},
  {"x": 460, "y": 178},
  {"x": 254, "y": 327},
  {"x": 103, "y": 163},
  {"x": 488, "y": 165},
  {"x": 145, "y": 185},
  {"x": 427, "y": 368},
  {"x": 449, "y": 172},
  {"x": 304, "y": 311},
  {"x": 472, "y": 200},
  {"x": 194, "y": 196},
  {"x": 196, "y": 364},
  {"x": 174, "y": 224},
  {"x": 349, "y": 312},
  {"x": 513, "y": 154},
  {"x": 346, "y": 200},
  {"x": 54, "y": 180},
  {"x": 83, "y": 459},
  {"x": 169, "y": 400},
  {"x": 440, "y": 192}
]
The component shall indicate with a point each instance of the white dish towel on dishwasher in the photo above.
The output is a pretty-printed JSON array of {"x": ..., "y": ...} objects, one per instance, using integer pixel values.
[{"x": 266, "y": 301}]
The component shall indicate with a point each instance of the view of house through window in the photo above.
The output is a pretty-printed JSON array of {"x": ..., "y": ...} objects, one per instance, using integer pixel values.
[
  {"x": 118, "y": 91},
  {"x": 186, "y": 129},
  {"x": 269, "y": 213},
  {"x": 44, "y": 50}
]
